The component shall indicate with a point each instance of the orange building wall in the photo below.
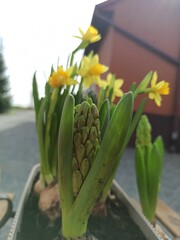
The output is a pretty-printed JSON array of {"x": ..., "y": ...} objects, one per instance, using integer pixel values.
[
  {"x": 157, "y": 22},
  {"x": 133, "y": 62}
]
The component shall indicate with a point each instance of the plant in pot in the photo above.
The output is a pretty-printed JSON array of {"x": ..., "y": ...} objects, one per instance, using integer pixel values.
[
  {"x": 82, "y": 135},
  {"x": 149, "y": 158}
]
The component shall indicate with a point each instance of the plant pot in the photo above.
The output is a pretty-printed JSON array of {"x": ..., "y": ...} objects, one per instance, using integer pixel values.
[{"x": 137, "y": 219}]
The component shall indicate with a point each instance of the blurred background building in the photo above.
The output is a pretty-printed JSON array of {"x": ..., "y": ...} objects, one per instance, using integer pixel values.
[{"x": 139, "y": 36}]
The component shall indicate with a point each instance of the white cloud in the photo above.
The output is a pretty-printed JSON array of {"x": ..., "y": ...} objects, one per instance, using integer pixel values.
[{"x": 35, "y": 34}]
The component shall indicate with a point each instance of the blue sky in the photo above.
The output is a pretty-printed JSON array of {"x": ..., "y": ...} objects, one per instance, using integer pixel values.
[{"x": 36, "y": 33}]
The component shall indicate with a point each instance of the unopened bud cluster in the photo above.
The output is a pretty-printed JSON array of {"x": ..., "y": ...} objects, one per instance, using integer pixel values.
[
  {"x": 143, "y": 132},
  {"x": 86, "y": 140}
]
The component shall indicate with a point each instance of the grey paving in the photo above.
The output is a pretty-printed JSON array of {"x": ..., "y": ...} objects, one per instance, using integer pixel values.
[{"x": 19, "y": 152}]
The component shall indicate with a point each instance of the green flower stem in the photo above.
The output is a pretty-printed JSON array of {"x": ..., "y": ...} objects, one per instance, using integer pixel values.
[
  {"x": 40, "y": 131},
  {"x": 81, "y": 46},
  {"x": 143, "y": 84},
  {"x": 147, "y": 90}
]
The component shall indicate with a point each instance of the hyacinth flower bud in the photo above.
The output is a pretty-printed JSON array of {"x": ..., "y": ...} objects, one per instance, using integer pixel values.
[
  {"x": 86, "y": 139},
  {"x": 149, "y": 160},
  {"x": 143, "y": 132}
]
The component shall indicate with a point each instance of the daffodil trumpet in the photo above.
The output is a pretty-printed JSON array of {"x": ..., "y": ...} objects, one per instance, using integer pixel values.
[{"x": 149, "y": 162}]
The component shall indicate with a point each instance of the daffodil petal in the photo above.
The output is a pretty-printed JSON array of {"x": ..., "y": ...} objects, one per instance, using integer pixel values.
[
  {"x": 154, "y": 79},
  {"x": 158, "y": 99},
  {"x": 62, "y": 77},
  {"x": 118, "y": 83}
]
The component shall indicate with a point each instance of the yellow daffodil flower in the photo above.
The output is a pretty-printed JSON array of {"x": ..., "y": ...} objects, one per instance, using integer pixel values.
[
  {"x": 158, "y": 89},
  {"x": 102, "y": 83},
  {"x": 62, "y": 77},
  {"x": 91, "y": 70},
  {"x": 116, "y": 84},
  {"x": 92, "y": 35}
]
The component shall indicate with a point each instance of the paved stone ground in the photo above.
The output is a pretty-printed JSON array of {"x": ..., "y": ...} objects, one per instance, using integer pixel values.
[{"x": 19, "y": 152}]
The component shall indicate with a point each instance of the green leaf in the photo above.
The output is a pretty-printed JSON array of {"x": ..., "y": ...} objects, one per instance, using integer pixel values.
[
  {"x": 65, "y": 141},
  {"x": 36, "y": 96},
  {"x": 53, "y": 147},
  {"x": 60, "y": 103},
  {"x": 50, "y": 108},
  {"x": 47, "y": 89},
  {"x": 74, "y": 72},
  {"x": 113, "y": 106},
  {"x": 41, "y": 134},
  {"x": 153, "y": 165},
  {"x": 141, "y": 179},
  {"x": 135, "y": 121},
  {"x": 104, "y": 117},
  {"x": 110, "y": 94},
  {"x": 160, "y": 146},
  {"x": 52, "y": 69},
  {"x": 133, "y": 124},
  {"x": 129, "y": 134}
]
